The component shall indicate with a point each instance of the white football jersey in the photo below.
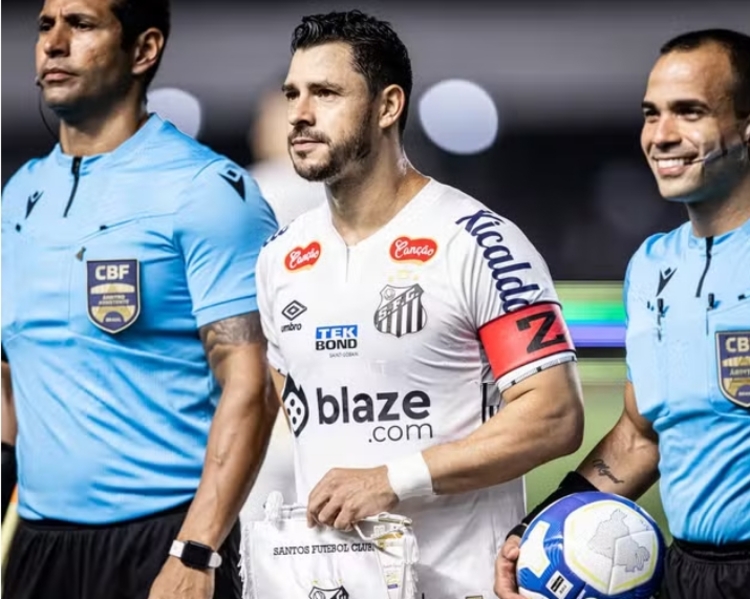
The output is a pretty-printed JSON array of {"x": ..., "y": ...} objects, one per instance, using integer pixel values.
[{"x": 380, "y": 345}]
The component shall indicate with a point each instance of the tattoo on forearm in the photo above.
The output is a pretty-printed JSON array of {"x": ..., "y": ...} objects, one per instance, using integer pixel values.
[
  {"x": 604, "y": 470},
  {"x": 238, "y": 330}
]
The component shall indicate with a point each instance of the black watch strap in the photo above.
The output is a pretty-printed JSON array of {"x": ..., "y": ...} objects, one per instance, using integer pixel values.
[{"x": 195, "y": 555}]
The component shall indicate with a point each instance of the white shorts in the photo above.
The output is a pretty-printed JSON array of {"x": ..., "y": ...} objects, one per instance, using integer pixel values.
[{"x": 283, "y": 558}]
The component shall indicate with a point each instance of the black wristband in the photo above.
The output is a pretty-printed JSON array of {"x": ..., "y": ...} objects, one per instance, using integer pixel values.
[
  {"x": 9, "y": 475},
  {"x": 517, "y": 530},
  {"x": 572, "y": 483}
]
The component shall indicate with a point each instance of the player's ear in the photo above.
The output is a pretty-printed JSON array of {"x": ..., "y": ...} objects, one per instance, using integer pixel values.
[{"x": 392, "y": 104}]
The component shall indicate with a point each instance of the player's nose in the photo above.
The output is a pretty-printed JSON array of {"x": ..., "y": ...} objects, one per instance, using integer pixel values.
[{"x": 301, "y": 111}]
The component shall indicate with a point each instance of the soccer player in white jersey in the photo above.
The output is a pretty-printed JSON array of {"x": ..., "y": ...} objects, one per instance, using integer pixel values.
[{"x": 415, "y": 335}]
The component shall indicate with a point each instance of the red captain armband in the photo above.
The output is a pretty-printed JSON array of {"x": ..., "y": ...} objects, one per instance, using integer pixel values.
[{"x": 524, "y": 336}]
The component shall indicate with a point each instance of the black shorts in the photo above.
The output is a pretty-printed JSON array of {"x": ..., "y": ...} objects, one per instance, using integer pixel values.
[
  {"x": 707, "y": 571},
  {"x": 60, "y": 560}
]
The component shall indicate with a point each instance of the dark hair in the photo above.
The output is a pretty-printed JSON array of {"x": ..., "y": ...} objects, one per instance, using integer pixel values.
[
  {"x": 377, "y": 51},
  {"x": 136, "y": 16},
  {"x": 737, "y": 46}
]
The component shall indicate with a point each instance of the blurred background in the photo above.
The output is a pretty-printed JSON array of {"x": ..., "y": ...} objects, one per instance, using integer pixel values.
[{"x": 532, "y": 107}]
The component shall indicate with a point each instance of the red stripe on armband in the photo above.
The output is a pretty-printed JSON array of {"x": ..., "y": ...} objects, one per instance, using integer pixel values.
[{"x": 524, "y": 336}]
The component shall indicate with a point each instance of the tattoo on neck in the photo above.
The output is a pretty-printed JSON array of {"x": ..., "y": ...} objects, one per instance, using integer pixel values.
[{"x": 604, "y": 470}]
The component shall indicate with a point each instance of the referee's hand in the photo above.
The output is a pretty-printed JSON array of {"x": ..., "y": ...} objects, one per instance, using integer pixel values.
[
  {"x": 177, "y": 581},
  {"x": 505, "y": 569}
]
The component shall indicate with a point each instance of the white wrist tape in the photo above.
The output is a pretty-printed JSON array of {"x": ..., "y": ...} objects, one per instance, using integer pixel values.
[{"x": 410, "y": 477}]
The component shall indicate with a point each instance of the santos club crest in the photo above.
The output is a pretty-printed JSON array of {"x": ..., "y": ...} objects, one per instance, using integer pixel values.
[
  {"x": 337, "y": 593},
  {"x": 400, "y": 311}
]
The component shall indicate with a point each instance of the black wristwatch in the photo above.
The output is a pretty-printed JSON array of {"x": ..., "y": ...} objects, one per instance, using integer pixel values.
[{"x": 195, "y": 555}]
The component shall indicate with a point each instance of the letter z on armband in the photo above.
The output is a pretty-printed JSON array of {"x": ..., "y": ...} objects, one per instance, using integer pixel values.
[{"x": 518, "y": 342}]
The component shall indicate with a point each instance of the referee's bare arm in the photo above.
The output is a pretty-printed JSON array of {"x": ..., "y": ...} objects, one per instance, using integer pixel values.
[
  {"x": 241, "y": 428},
  {"x": 9, "y": 427},
  {"x": 626, "y": 460}
]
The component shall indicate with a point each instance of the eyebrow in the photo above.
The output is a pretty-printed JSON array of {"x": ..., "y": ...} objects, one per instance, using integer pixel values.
[
  {"x": 68, "y": 17},
  {"x": 688, "y": 104},
  {"x": 313, "y": 87},
  {"x": 678, "y": 105},
  {"x": 325, "y": 84}
]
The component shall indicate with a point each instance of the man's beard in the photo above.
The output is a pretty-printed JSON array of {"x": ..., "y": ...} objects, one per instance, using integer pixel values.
[{"x": 355, "y": 149}]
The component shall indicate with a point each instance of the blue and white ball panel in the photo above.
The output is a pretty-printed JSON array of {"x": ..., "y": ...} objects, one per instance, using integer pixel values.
[
  {"x": 591, "y": 546},
  {"x": 541, "y": 569}
]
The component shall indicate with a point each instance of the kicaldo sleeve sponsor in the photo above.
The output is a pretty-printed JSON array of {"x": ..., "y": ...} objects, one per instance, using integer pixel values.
[
  {"x": 511, "y": 299},
  {"x": 500, "y": 270},
  {"x": 281, "y": 557}
]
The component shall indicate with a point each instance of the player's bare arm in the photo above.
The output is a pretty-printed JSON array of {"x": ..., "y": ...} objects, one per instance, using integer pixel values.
[
  {"x": 543, "y": 420},
  {"x": 626, "y": 460},
  {"x": 235, "y": 348}
]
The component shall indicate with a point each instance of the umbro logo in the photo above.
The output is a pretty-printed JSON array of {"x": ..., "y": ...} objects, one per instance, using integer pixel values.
[
  {"x": 664, "y": 278},
  {"x": 293, "y": 309},
  {"x": 32, "y": 200}
]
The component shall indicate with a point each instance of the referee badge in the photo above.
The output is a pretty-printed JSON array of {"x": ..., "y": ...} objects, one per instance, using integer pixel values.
[
  {"x": 733, "y": 350},
  {"x": 113, "y": 291}
]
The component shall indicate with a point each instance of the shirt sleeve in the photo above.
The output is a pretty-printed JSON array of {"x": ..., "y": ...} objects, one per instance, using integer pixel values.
[
  {"x": 221, "y": 223},
  {"x": 625, "y": 290},
  {"x": 265, "y": 305},
  {"x": 512, "y": 301}
]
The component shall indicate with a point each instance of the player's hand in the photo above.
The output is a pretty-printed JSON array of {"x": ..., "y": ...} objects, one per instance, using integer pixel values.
[
  {"x": 505, "y": 569},
  {"x": 177, "y": 581},
  {"x": 347, "y": 495}
]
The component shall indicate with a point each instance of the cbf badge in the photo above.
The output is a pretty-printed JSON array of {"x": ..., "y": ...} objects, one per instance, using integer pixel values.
[
  {"x": 733, "y": 348},
  {"x": 113, "y": 292}
]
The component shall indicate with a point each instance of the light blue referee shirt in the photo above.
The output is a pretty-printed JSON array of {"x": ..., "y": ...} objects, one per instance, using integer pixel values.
[
  {"x": 110, "y": 264},
  {"x": 688, "y": 354}
]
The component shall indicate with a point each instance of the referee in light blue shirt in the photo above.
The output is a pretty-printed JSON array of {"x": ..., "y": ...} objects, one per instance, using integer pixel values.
[
  {"x": 687, "y": 296},
  {"x": 130, "y": 323}
]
